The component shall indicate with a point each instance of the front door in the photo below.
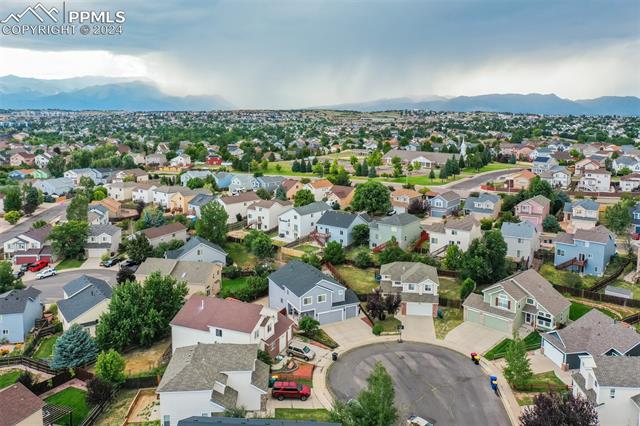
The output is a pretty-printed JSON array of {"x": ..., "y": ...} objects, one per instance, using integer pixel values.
[{"x": 527, "y": 318}]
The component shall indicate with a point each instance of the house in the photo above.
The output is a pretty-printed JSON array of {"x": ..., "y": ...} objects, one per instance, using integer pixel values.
[
  {"x": 630, "y": 182},
  {"x": 595, "y": 181},
  {"x": 214, "y": 160},
  {"x": 445, "y": 204},
  {"x": 162, "y": 195},
  {"x": 193, "y": 174},
  {"x": 155, "y": 160},
  {"x": 264, "y": 214},
  {"x": 98, "y": 176},
  {"x": 340, "y": 196},
  {"x": 523, "y": 298},
  {"x": 635, "y": 219},
  {"x": 97, "y": 214},
  {"x": 179, "y": 201},
  {"x": 557, "y": 177},
  {"x": 181, "y": 160},
  {"x": 301, "y": 221},
  {"x": 131, "y": 175},
  {"x": 319, "y": 188},
  {"x": 624, "y": 162},
  {"x": 593, "y": 334},
  {"x": 301, "y": 290},
  {"x": 543, "y": 164},
  {"x": 121, "y": 191},
  {"x": 458, "y": 231},
  {"x": 211, "y": 378},
  {"x": 27, "y": 247},
  {"x": 144, "y": 192},
  {"x": 195, "y": 204},
  {"x": 620, "y": 292},
  {"x": 200, "y": 276},
  {"x": 416, "y": 283},
  {"x": 116, "y": 211},
  {"x": 291, "y": 187},
  {"x": 402, "y": 199},
  {"x": 212, "y": 320},
  {"x": 42, "y": 160},
  {"x": 102, "y": 239},
  {"x": 22, "y": 157},
  {"x": 223, "y": 179},
  {"x": 243, "y": 183},
  {"x": 230, "y": 421},
  {"x": 403, "y": 227},
  {"x": 609, "y": 384},
  {"x": 485, "y": 205},
  {"x": 586, "y": 165},
  {"x": 56, "y": 186},
  {"x": 197, "y": 249},
  {"x": 238, "y": 205},
  {"x": 19, "y": 310},
  {"x": 523, "y": 240},
  {"x": 581, "y": 214},
  {"x": 587, "y": 251},
  {"x": 534, "y": 209},
  {"x": 269, "y": 183},
  {"x": 85, "y": 299},
  {"x": 20, "y": 406},
  {"x": 338, "y": 226},
  {"x": 425, "y": 160},
  {"x": 521, "y": 180},
  {"x": 165, "y": 233}
]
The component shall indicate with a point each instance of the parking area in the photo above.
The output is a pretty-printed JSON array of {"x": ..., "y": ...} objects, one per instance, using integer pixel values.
[
  {"x": 472, "y": 337},
  {"x": 430, "y": 381}
]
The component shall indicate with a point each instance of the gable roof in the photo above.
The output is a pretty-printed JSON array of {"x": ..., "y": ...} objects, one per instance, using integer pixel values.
[
  {"x": 18, "y": 403},
  {"x": 410, "y": 272},
  {"x": 81, "y": 301},
  {"x": 159, "y": 231},
  {"x": 299, "y": 277},
  {"x": 201, "y": 199},
  {"x": 337, "y": 219},
  {"x": 15, "y": 301},
  {"x": 401, "y": 219},
  {"x": 82, "y": 282},
  {"x": 586, "y": 204},
  {"x": 182, "y": 270},
  {"x": 240, "y": 198},
  {"x": 618, "y": 371},
  {"x": 599, "y": 234},
  {"x": 448, "y": 196},
  {"x": 202, "y": 312},
  {"x": 109, "y": 229},
  {"x": 518, "y": 230},
  {"x": 191, "y": 244},
  {"x": 538, "y": 199},
  {"x": 38, "y": 234},
  {"x": 315, "y": 207}
]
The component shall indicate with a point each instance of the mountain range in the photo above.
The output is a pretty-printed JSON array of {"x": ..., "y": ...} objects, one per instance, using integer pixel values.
[{"x": 131, "y": 94}]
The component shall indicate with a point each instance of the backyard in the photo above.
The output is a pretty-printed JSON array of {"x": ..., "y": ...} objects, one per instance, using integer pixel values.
[
  {"x": 241, "y": 255},
  {"x": 577, "y": 310},
  {"x": 117, "y": 410},
  {"x": 9, "y": 377},
  {"x": 45, "y": 348},
  {"x": 362, "y": 281},
  {"x": 73, "y": 398},
  {"x": 449, "y": 288},
  {"x": 451, "y": 318},
  {"x": 233, "y": 284},
  {"x": 541, "y": 382},
  {"x": 566, "y": 278}
]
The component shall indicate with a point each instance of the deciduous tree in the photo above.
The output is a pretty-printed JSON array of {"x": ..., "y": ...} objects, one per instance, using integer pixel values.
[
  {"x": 372, "y": 197},
  {"x": 303, "y": 197},
  {"x": 212, "y": 224},
  {"x": 110, "y": 367},
  {"x": 68, "y": 239},
  {"x": 334, "y": 253},
  {"x": 78, "y": 208},
  {"x": 559, "y": 409},
  {"x": 518, "y": 369}
]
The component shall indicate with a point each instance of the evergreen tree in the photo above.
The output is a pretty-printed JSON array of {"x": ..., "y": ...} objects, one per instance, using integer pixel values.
[
  {"x": 31, "y": 200},
  {"x": 280, "y": 194},
  {"x": 295, "y": 166},
  {"x": 372, "y": 172},
  {"x": 364, "y": 169},
  {"x": 461, "y": 164},
  {"x": 75, "y": 348}
]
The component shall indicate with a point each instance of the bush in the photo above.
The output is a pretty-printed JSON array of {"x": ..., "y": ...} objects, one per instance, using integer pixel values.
[
  {"x": 467, "y": 287},
  {"x": 308, "y": 325},
  {"x": 12, "y": 217},
  {"x": 110, "y": 367},
  {"x": 362, "y": 260},
  {"x": 27, "y": 379},
  {"x": 377, "y": 329},
  {"x": 265, "y": 357},
  {"x": 231, "y": 271},
  {"x": 98, "y": 391},
  {"x": 334, "y": 253}
]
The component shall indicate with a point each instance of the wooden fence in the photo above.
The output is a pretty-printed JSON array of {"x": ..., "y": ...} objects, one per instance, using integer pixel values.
[
  {"x": 603, "y": 282},
  {"x": 449, "y": 303},
  {"x": 27, "y": 362},
  {"x": 598, "y": 297}
]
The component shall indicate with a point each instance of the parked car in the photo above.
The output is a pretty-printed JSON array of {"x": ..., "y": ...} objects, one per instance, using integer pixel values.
[
  {"x": 111, "y": 261},
  {"x": 301, "y": 351},
  {"x": 49, "y": 272},
  {"x": 25, "y": 267},
  {"x": 282, "y": 390},
  {"x": 418, "y": 421},
  {"x": 18, "y": 274},
  {"x": 129, "y": 264},
  {"x": 40, "y": 264}
]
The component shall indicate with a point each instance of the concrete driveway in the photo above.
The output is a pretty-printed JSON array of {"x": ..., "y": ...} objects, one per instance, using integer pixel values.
[
  {"x": 430, "y": 381},
  {"x": 418, "y": 328},
  {"x": 470, "y": 337},
  {"x": 349, "y": 333},
  {"x": 52, "y": 287}
]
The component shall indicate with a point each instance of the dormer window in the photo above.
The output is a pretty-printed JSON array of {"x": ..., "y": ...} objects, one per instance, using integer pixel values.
[
  {"x": 502, "y": 301},
  {"x": 530, "y": 301}
]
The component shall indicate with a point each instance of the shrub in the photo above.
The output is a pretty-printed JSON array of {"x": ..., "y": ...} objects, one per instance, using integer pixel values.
[
  {"x": 12, "y": 217},
  {"x": 98, "y": 391},
  {"x": 308, "y": 325},
  {"x": 334, "y": 253},
  {"x": 265, "y": 357},
  {"x": 467, "y": 287},
  {"x": 362, "y": 260},
  {"x": 231, "y": 271},
  {"x": 110, "y": 367},
  {"x": 377, "y": 329}
]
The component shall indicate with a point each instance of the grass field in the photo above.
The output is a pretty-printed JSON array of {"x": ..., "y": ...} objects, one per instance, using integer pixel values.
[
  {"x": 302, "y": 414},
  {"x": 578, "y": 309},
  {"x": 362, "y": 281},
  {"x": 532, "y": 341},
  {"x": 566, "y": 278},
  {"x": 389, "y": 324},
  {"x": 493, "y": 167},
  {"x": 449, "y": 288},
  {"x": 451, "y": 318},
  {"x": 307, "y": 248},
  {"x": 8, "y": 378},
  {"x": 241, "y": 255},
  {"x": 540, "y": 382},
  {"x": 75, "y": 399},
  {"x": 233, "y": 284},
  {"x": 45, "y": 348},
  {"x": 69, "y": 264}
]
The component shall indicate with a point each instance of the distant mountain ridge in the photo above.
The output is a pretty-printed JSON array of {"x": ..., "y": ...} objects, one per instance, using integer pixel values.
[
  {"x": 98, "y": 93},
  {"x": 509, "y": 103}
]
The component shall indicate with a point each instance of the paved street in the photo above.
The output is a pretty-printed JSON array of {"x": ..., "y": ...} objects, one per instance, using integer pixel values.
[
  {"x": 469, "y": 184},
  {"x": 20, "y": 228},
  {"x": 52, "y": 287},
  {"x": 430, "y": 381}
]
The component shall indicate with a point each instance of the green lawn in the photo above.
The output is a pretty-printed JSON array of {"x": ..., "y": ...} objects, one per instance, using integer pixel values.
[
  {"x": 73, "y": 398},
  {"x": 69, "y": 264},
  {"x": 307, "y": 248},
  {"x": 9, "y": 378},
  {"x": 362, "y": 281},
  {"x": 389, "y": 324},
  {"x": 231, "y": 285},
  {"x": 304, "y": 414},
  {"x": 45, "y": 348},
  {"x": 541, "y": 382},
  {"x": 419, "y": 180},
  {"x": 532, "y": 341},
  {"x": 451, "y": 318},
  {"x": 566, "y": 278},
  {"x": 449, "y": 288},
  {"x": 241, "y": 255},
  {"x": 492, "y": 167},
  {"x": 578, "y": 309}
]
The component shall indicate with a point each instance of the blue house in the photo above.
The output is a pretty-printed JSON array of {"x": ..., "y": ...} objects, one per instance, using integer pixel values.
[
  {"x": 17, "y": 175},
  {"x": 444, "y": 204},
  {"x": 587, "y": 251},
  {"x": 635, "y": 213},
  {"x": 338, "y": 226},
  {"x": 223, "y": 179},
  {"x": 19, "y": 310}
]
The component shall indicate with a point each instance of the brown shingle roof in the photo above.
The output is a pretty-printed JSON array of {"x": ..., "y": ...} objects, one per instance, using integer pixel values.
[
  {"x": 17, "y": 403},
  {"x": 159, "y": 231},
  {"x": 200, "y": 312},
  {"x": 240, "y": 198}
]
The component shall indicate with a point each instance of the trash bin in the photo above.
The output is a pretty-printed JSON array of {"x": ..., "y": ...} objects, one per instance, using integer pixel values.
[{"x": 334, "y": 356}]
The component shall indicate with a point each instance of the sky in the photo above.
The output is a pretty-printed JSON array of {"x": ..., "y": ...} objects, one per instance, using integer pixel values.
[{"x": 301, "y": 53}]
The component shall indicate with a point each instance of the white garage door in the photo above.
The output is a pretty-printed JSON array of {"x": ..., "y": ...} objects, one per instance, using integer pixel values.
[
  {"x": 423, "y": 309},
  {"x": 552, "y": 353}
]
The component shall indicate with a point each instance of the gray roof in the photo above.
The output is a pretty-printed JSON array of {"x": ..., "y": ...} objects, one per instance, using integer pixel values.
[
  {"x": 81, "y": 301},
  {"x": 316, "y": 206},
  {"x": 299, "y": 277},
  {"x": 81, "y": 282},
  {"x": 475, "y": 301},
  {"x": 201, "y": 199},
  {"x": 387, "y": 288},
  {"x": 401, "y": 219},
  {"x": 586, "y": 204},
  {"x": 183, "y": 270},
  {"x": 625, "y": 160},
  {"x": 192, "y": 243},
  {"x": 337, "y": 219},
  {"x": 109, "y": 229},
  {"x": 468, "y": 204},
  {"x": 619, "y": 371},
  {"x": 518, "y": 230},
  {"x": 599, "y": 234},
  {"x": 619, "y": 290},
  {"x": 594, "y": 333},
  {"x": 15, "y": 301},
  {"x": 448, "y": 196},
  {"x": 410, "y": 272},
  {"x": 198, "y": 367}
]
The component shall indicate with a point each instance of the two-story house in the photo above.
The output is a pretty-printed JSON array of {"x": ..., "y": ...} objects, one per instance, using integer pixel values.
[
  {"x": 22, "y": 157},
  {"x": 97, "y": 214},
  {"x": 522, "y": 239},
  {"x": 29, "y": 246},
  {"x": 195, "y": 205},
  {"x": 402, "y": 199},
  {"x": 143, "y": 192},
  {"x": 131, "y": 175},
  {"x": 319, "y": 188},
  {"x": 523, "y": 298},
  {"x": 291, "y": 187},
  {"x": 19, "y": 310},
  {"x": 543, "y": 164},
  {"x": 586, "y": 165},
  {"x": 269, "y": 183},
  {"x": 301, "y": 221},
  {"x": 121, "y": 191},
  {"x": 534, "y": 209},
  {"x": 586, "y": 251},
  {"x": 341, "y": 196},
  {"x": 212, "y": 320},
  {"x": 55, "y": 187},
  {"x": 212, "y": 378},
  {"x": 84, "y": 300},
  {"x": 202, "y": 277},
  {"x": 485, "y": 205},
  {"x": 302, "y": 290},
  {"x": 197, "y": 249},
  {"x": 404, "y": 228},
  {"x": 338, "y": 226},
  {"x": 162, "y": 195},
  {"x": 242, "y": 183},
  {"x": 581, "y": 214},
  {"x": 595, "y": 181},
  {"x": 458, "y": 231},
  {"x": 181, "y": 160},
  {"x": 102, "y": 239},
  {"x": 594, "y": 334},
  {"x": 635, "y": 219},
  {"x": 630, "y": 183},
  {"x": 165, "y": 233},
  {"x": 238, "y": 205},
  {"x": 42, "y": 160},
  {"x": 416, "y": 283},
  {"x": 557, "y": 177},
  {"x": 444, "y": 204},
  {"x": 611, "y": 384},
  {"x": 264, "y": 214},
  {"x": 193, "y": 174}
]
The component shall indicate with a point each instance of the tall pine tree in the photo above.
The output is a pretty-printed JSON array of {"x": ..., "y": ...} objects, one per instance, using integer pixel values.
[{"x": 75, "y": 348}]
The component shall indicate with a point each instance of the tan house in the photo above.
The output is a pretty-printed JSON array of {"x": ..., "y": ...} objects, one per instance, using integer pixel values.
[
  {"x": 201, "y": 277},
  {"x": 320, "y": 188},
  {"x": 116, "y": 211},
  {"x": 20, "y": 407},
  {"x": 179, "y": 201},
  {"x": 402, "y": 198},
  {"x": 121, "y": 191},
  {"x": 166, "y": 233},
  {"x": 131, "y": 175},
  {"x": 291, "y": 186},
  {"x": 586, "y": 165},
  {"x": 19, "y": 158},
  {"x": 341, "y": 195},
  {"x": 521, "y": 180}
]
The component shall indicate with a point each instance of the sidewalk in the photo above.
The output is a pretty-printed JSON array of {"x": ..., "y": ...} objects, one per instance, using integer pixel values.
[{"x": 6, "y": 226}]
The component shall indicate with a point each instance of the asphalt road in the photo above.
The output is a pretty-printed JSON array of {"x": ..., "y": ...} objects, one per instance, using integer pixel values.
[
  {"x": 52, "y": 287},
  {"x": 47, "y": 215},
  {"x": 432, "y": 382},
  {"x": 468, "y": 184}
]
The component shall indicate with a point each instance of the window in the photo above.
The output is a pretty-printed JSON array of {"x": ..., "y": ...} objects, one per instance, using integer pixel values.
[
  {"x": 503, "y": 301},
  {"x": 560, "y": 252},
  {"x": 428, "y": 288},
  {"x": 454, "y": 232},
  {"x": 530, "y": 301},
  {"x": 166, "y": 420},
  {"x": 412, "y": 287},
  {"x": 307, "y": 300},
  {"x": 256, "y": 334},
  {"x": 519, "y": 240},
  {"x": 218, "y": 332},
  {"x": 5, "y": 331},
  {"x": 612, "y": 393},
  {"x": 434, "y": 240},
  {"x": 269, "y": 328},
  {"x": 322, "y": 298}
]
